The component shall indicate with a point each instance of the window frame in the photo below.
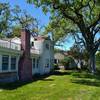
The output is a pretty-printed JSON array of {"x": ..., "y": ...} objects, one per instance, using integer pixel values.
[
  {"x": 8, "y": 63},
  {"x": 47, "y": 46},
  {"x": 33, "y": 60},
  {"x": 4, "y": 70},
  {"x": 37, "y": 63},
  {"x": 47, "y": 65},
  {"x": 14, "y": 64},
  {"x": 32, "y": 44}
]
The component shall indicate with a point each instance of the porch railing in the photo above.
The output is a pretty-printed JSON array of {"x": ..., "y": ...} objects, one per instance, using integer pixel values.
[
  {"x": 10, "y": 45},
  {"x": 15, "y": 46},
  {"x": 35, "y": 51}
]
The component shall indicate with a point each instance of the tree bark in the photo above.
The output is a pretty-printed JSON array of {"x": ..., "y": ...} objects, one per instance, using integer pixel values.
[{"x": 92, "y": 62}]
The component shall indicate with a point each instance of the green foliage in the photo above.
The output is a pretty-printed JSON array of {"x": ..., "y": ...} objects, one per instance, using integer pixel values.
[
  {"x": 56, "y": 67},
  {"x": 56, "y": 50},
  {"x": 59, "y": 28},
  {"x": 24, "y": 19},
  {"x": 75, "y": 52},
  {"x": 85, "y": 56},
  {"x": 71, "y": 7},
  {"x": 98, "y": 55},
  {"x": 66, "y": 62},
  {"x": 16, "y": 32},
  {"x": 13, "y": 19},
  {"x": 83, "y": 14},
  {"x": 4, "y": 18},
  {"x": 98, "y": 60}
]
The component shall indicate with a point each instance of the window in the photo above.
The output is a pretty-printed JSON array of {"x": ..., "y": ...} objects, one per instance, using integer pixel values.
[
  {"x": 37, "y": 63},
  {"x": 51, "y": 47},
  {"x": 33, "y": 62},
  {"x": 51, "y": 62},
  {"x": 47, "y": 46},
  {"x": 16, "y": 47},
  {"x": 35, "y": 39},
  {"x": 47, "y": 63},
  {"x": 32, "y": 44},
  {"x": 5, "y": 62},
  {"x": 55, "y": 61},
  {"x": 13, "y": 63}
]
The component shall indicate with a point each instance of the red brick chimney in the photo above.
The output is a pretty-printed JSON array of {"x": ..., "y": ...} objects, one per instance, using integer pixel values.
[{"x": 25, "y": 63}]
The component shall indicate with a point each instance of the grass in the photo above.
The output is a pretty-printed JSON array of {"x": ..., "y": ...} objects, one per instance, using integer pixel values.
[{"x": 63, "y": 85}]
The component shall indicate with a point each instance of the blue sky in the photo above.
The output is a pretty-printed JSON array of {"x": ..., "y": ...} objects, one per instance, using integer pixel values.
[{"x": 37, "y": 13}]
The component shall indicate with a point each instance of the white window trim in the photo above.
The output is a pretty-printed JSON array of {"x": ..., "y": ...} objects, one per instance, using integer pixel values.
[
  {"x": 17, "y": 60},
  {"x": 35, "y": 63},
  {"x": 0, "y": 63},
  {"x": 9, "y": 65},
  {"x": 37, "y": 60},
  {"x": 47, "y": 61},
  {"x": 16, "y": 63}
]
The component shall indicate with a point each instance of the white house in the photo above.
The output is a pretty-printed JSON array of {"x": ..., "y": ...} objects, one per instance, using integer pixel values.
[{"x": 41, "y": 54}]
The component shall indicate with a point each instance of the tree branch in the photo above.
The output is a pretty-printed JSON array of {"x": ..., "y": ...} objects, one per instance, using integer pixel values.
[
  {"x": 62, "y": 10},
  {"x": 97, "y": 44},
  {"x": 79, "y": 40},
  {"x": 69, "y": 17},
  {"x": 82, "y": 6},
  {"x": 94, "y": 23},
  {"x": 96, "y": 31}
]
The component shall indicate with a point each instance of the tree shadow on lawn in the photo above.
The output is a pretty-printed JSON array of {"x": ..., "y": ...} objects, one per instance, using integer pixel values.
[
  {"x": 62, "y": 73},
  {"x": 87, "y": 82},
  {"x": 87, "y": 75},
  {"x": 13, "y": 85},
  {"x": 85, "y": 78},
  {"x": 17, "y": 84}
]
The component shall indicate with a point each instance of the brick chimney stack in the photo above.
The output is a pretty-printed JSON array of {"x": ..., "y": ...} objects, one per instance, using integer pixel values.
[
  {"x": 25, "y": 42},
  {"x": 25, "y": 63}
]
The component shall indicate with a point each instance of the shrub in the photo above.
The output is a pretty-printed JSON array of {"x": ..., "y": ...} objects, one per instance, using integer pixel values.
[
  {"x": 67, "y": 61},
  {"x": 56, "y": 67}
]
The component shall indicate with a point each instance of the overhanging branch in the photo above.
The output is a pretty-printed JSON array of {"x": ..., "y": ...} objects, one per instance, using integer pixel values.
[
  {"x": 95, "y": 23},
  {"x": 62, "y": 10},
  {"x": 96, "y": 31},
  {"x": 97, "y": 44}
]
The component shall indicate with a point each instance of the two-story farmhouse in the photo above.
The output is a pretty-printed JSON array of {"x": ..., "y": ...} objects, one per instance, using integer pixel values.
[{"x": 21, "y": 58}]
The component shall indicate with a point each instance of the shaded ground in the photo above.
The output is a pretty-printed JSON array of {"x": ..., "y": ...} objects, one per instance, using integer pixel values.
[{"x": 63, "y": 85}]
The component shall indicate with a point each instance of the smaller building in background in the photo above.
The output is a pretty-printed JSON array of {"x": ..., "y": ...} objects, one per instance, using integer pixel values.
[{"x": 63, "y": 60}]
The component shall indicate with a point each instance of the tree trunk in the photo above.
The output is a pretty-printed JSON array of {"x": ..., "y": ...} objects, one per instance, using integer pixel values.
[{"x": 92, "y": 63}]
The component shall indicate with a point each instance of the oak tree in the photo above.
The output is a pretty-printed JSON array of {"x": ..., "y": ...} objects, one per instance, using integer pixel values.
[{"x": 85, "y": 14}]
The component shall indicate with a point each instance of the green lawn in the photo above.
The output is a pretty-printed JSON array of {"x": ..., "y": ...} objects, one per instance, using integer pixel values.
[{"x": 64, "y": 85}]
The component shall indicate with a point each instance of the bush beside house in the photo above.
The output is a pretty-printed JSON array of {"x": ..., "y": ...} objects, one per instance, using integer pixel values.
[{"x": 68, "y": 63}]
